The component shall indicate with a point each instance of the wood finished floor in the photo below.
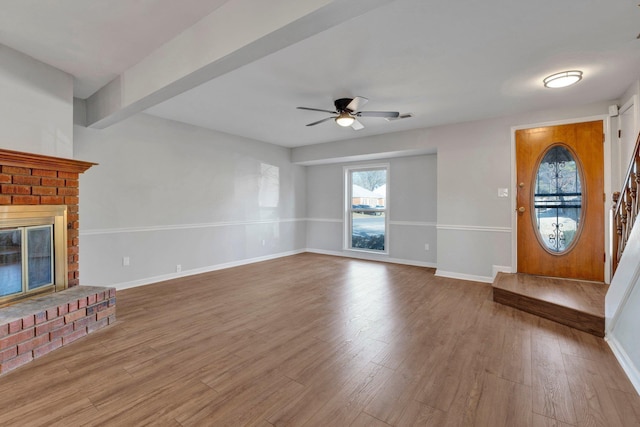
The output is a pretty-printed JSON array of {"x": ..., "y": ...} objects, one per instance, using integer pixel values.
[{"x": 313, "y": 340}]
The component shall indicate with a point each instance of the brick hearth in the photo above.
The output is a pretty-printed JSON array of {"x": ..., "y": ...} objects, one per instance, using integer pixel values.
[{"x": 35, "y": 327}]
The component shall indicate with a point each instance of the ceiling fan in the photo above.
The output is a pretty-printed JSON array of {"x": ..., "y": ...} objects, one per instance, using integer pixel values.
[{"x": 347, "y": 110}]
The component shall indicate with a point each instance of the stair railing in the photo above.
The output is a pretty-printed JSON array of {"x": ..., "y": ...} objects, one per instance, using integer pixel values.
[{"x": 625, "y": 208}]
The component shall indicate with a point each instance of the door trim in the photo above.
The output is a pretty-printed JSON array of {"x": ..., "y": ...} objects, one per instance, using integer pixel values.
[
  {"x": 631, "y": 104},
  {"x": 606, "y": 128}
]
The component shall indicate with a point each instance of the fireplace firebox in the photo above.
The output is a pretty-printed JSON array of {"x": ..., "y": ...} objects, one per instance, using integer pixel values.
[{"x": 33, "y": 251}]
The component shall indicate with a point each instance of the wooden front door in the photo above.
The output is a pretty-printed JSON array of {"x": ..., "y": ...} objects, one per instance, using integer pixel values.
[{"x": 560, "y": 201}]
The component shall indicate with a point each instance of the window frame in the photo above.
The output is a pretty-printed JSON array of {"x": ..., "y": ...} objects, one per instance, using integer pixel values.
[{"x": 348, "y": 207}]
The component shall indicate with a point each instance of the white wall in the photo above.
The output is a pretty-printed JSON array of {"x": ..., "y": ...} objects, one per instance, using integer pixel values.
[
  {"x": 474, "y": 225},
  {"x": 36, "y": 106},
  {"x": 167, "y": 194},
  {"x": 412, "y": 210}
]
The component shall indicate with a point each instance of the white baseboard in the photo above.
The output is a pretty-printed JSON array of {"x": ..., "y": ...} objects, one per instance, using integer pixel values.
[
  {"x": 625, "y": 361},
  {"x": 495, "y": 269},
  {"x": 373, "y": 257},
  {"x": 207, "y": 269},
  {"x": 462, "y": 276},
  {"x": 356, "y": 255}
]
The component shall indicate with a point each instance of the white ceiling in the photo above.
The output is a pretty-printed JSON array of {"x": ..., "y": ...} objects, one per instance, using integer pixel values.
[
  {"x": 95, "y": 40},
  {"x": 442, "y": 61}
]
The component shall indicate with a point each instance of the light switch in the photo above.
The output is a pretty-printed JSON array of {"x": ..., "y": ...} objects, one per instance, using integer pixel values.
[{"x": 503, "y": 192}]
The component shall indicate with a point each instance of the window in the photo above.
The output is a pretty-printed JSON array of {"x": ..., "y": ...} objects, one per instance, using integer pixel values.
[
  {"x": 26, "y": 259},
  {"x": 366, "y": 208},
  {"x": 558, "y": 200}
]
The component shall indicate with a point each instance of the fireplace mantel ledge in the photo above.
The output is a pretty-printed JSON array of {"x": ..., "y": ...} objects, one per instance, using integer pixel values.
[{"x": 40, "y": 161}]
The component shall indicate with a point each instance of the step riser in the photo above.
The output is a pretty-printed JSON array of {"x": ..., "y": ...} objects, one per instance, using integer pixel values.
[{"x": 567, "y": 316}]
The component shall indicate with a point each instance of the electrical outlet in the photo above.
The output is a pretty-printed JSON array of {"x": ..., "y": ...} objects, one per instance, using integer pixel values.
[
  {"x": 178, "y": 268},
  {"x": 426, "y": 246},
  {"x": 126, "y": 261}
]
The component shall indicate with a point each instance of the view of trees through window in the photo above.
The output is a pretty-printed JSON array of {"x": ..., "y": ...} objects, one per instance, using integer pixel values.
[
  {"x": 558, "y": 199},
  {"x": 25, "y": 249},
  {"x": 368, "y": 196}
]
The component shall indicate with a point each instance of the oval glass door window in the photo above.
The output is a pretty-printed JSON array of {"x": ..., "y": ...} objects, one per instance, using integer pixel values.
[{"x": 558, "y": 200}]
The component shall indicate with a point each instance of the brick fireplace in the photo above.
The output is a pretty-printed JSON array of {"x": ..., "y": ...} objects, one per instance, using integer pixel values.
[
  {"x": 33, "y": 324},
  {"x": 31, "y": 179}
]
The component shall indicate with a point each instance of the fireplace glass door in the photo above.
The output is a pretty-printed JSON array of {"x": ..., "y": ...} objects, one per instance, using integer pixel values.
[{"x": 26, "y": 259}]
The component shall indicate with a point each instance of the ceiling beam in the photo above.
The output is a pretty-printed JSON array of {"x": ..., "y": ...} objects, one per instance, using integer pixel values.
[{"x": 236, "y": 34}]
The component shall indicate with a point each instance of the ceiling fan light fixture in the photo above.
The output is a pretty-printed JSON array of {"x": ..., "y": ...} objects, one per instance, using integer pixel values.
[
  {"x": 563, "y": 79},
  {"x": 345, "y": 119}
]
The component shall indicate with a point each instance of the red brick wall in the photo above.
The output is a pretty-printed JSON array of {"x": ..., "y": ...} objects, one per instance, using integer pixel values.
[
  {"x": 55, "y": 324},
  {"x": 31, "y": 186}
]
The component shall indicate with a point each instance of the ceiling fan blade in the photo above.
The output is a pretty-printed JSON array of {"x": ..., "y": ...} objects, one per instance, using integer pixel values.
[
  {"x": 400, "y": 117},
  {"x": 317, "y": 109},
  {"x": 391, "y": 114},
  {"x": 320, "y": 121},
  {"x": 356, "y": 103},
  {"x": 356, "y": 125}
]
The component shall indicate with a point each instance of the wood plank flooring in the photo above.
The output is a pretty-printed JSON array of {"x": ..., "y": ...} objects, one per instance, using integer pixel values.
[
  {"x": 313, "y": 340},
  {"x": 574, "y": 303}
]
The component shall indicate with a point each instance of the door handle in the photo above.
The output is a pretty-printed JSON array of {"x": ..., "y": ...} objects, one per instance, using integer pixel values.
[{"x": 521, "y": 209}]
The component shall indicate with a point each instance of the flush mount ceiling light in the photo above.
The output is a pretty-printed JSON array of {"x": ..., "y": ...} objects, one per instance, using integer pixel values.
[
  {"x": 563, "y": 79},
  {"x": 345, "y": 119}
]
